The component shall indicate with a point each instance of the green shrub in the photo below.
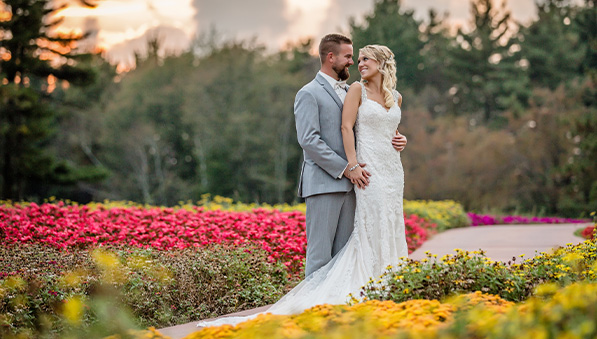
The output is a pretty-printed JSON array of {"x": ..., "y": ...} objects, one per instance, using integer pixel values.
[
  {"x": 466, "y": 272},
  {"x": 446, "y": 214},
  {"x": 157, "y": 288}
]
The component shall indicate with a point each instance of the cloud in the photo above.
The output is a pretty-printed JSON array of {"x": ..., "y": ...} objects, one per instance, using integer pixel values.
[
  {"x": 91, "y": 28},
  {"x": 305, "y": 18},
  {"x": 242, "y": 19},
  {"x": 172, "y": 40},
  {"x": 341, "y": 11},
  {"x": 272, "y": 22},
  {"x": 522, "y": 10},
  {"x": 276, "y": 22}
]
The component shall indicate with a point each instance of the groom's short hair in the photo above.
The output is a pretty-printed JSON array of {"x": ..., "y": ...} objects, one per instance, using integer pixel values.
[{"x": 331, "y": 43}]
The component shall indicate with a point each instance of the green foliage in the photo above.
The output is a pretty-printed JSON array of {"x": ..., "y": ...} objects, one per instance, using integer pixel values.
[
  {"x": 437, "y": 39},
  {"x": 527, "y": 166},
  {"x": 121, "y": 289},
  {"x": 491, "y": 113},
  {"x": 33, "y": 61},
  {"x": 580, "y": 167},
  {"x": 465, "y": 272},
  {"x": 445, "y": 214},
  {"x": 586, "y": 23},
  {"x": 26, "y": 125},
  {"x": 483, "y": 65},
  {"x": 221, "y": 124},
  {"x": 551, "y": 45}
]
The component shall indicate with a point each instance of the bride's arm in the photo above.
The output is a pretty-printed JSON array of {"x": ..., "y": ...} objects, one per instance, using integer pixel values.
[{"x": 354, "y": 171}]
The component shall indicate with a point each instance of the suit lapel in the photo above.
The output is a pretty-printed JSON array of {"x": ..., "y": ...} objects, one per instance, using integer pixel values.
[{"x": 328, "y": 88}]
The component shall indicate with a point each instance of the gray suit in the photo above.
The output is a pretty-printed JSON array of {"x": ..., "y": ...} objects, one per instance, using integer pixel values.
[{"x": 330, "y": 201}]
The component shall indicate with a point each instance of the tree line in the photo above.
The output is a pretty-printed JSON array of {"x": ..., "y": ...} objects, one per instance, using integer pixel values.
[{"x": 499, "y": 115}]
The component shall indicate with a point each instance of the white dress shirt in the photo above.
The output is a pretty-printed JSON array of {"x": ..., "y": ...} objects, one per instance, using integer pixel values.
[{"x": 340, "y": 90}]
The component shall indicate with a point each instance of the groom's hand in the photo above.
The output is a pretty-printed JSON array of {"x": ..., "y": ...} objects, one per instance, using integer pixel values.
[
  {"x": 399, "y": 141},
  {"x": 359, "y": 176}
]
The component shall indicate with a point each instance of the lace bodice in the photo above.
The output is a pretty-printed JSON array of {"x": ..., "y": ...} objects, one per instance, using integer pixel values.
[{"x": 375, "y": 126}]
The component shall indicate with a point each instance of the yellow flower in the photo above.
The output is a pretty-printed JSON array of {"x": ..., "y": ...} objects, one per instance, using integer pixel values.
[
  {"x": 572, "y": 257},
  {"x": 72, "y": 279},
  {"x": 105, "y": 259},
  {"x": 14, "y": 283},
  {"x": 73, "y": 310}
]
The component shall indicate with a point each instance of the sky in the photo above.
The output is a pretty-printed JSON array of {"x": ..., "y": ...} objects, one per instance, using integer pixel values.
[{"x": 123, "y": 26}]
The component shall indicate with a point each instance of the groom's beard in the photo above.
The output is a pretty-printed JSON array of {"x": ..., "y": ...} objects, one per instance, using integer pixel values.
[{"x": 342, "y": 71}]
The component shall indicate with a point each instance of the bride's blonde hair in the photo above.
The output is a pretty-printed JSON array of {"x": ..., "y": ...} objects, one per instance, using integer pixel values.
[{"x": 387, "y": 68}]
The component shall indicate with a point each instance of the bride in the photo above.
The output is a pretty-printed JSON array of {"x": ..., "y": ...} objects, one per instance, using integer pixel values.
[{"x": 372, "y": 108}]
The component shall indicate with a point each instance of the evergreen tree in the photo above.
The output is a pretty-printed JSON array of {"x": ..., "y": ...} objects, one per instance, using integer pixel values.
[
  {"x": 392, "y": 26},
  {"x": 436, "y": 38},
  {"x": 551, "y": 45},
  {"x": 435, "y": 55},
  {"x": 32, "y": 60},
  {"x": 581, "y": 169},
  {"x": 586, "y": 23},
  {"x": 484, "y": 64},
  {"x": 79, "y": 116}
]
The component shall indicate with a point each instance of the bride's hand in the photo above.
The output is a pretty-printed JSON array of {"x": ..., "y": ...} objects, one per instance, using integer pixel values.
[{"x": 359, "y": 176}]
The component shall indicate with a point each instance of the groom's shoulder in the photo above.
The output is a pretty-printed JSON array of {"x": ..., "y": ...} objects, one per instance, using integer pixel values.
[{"x": 311, "y": 87}]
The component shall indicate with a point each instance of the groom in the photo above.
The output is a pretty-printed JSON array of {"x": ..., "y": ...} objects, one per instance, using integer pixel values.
[{"x": 326, "y": 182}]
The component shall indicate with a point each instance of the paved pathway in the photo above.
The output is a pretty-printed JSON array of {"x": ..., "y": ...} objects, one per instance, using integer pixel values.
[{"x": 500, "y": 242}]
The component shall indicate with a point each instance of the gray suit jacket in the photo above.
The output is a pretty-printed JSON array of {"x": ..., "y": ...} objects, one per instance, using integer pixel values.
[{"x": 318, "y": 117}]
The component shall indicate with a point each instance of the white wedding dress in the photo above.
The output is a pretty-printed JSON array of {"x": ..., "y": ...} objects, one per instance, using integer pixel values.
[{"x": 378, "y": 239}]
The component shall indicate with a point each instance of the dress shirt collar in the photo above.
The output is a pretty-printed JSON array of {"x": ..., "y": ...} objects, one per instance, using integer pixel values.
[{"x": 331, "y": 80}]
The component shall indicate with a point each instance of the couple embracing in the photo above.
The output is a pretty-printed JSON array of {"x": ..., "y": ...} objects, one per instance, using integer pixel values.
[{"x": 352, "y": 178}]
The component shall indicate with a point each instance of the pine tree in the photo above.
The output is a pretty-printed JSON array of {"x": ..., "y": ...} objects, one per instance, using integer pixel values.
[
  {"x": 436, "y": 38},
  {"x": 435, "y": 58},
  {"x": 484, "y": 64},
  {"x": 32, "y": 60},
  {"x": 586, "y": 23},
  {"x": 551, "y": 45}
]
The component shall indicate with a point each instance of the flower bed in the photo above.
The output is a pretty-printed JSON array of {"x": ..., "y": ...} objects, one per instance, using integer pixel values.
[
  {"x": 564, "y": 305},
  {"x": 52, "y": 239},
  {"x": 589, "y": 231},
  {"x": 280, "y": 234},
  {"x": 371, "y": 319},
  {"x": 466, "y": 272},
  {"x": 445, "y": 214},
  {"x": 157, "y": 288},
  {"x": 166, "y": 272},
  {"x": 567, "y": 312},
  {"x": 559, "y": 292}
]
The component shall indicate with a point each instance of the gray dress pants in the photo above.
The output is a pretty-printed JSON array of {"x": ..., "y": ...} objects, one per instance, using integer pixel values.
[{"x": 329, "y": 224}]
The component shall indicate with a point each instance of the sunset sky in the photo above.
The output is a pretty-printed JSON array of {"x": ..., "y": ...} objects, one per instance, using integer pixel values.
[{"x": 123, "y": 26}]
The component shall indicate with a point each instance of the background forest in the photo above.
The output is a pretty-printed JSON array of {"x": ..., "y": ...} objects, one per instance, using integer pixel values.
[{"x": 500, "y": 116}]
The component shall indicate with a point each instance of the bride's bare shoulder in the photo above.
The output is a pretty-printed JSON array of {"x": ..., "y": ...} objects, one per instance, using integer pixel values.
[
  {"x": 355, "y": 88},
  {"x": 355, "y": 85}
]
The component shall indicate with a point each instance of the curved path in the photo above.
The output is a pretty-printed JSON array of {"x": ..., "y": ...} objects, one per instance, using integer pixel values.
[{"x": 500, "y": 243}]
